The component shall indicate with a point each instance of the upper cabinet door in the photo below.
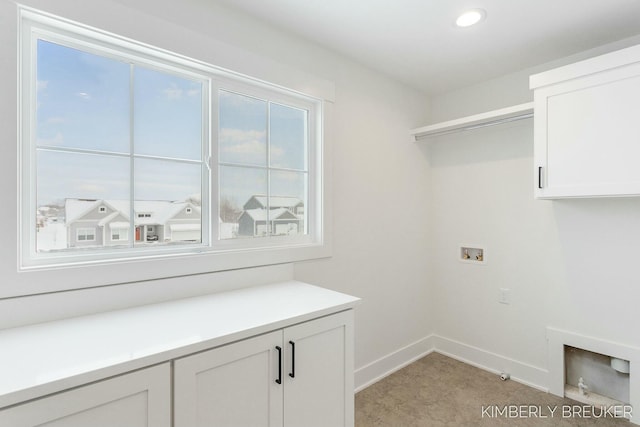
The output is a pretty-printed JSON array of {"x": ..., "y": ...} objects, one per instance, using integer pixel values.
[
  {"x": 587, "y": 128},
  {"x": 231, "y": 386},
  {"x": 137, "y": 399},
  {"x": 319, "y": 372}
]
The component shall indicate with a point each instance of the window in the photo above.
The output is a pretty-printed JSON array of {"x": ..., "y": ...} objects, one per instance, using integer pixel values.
[
  {"x": 120, "y": 234},
  {"x": 85, "y": 235},
  {"x": 162, "y": 155}
]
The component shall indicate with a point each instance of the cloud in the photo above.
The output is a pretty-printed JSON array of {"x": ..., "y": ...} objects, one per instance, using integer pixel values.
[
  {"x": 173, "y": 93},
  {"x": 248, "y": 143},
  {"x": 248, "y": 148},
  {"x": 83, "y": 95},
  {"x": 242, "y": 141},
  {"x": 41, "y": 85}
]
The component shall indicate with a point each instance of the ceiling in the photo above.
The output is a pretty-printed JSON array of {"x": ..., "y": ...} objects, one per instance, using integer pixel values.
[{"x": 416, "y": 41}]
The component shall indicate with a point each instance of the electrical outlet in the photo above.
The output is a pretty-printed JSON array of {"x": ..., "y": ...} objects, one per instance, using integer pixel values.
[{"x": 505, "y": 296}]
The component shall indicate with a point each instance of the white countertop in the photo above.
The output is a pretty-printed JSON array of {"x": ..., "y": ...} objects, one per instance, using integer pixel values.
[{"x": 45, "y": 358}]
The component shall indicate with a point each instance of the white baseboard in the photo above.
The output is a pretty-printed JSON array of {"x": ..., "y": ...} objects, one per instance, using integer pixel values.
[
  {"x": 387, "y": 365},
  {"x": 524, "y": 373}
]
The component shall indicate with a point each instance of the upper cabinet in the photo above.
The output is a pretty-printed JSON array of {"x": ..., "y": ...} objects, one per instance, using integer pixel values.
[{"x": 587, "y": 127}]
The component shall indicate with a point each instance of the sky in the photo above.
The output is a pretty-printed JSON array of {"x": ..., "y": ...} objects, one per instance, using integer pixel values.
[{"x": 84, "y": 102}]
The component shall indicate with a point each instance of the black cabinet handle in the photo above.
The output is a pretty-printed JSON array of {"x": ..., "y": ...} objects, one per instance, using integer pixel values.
[
  {"x": 539, "y": 176},
  {"x": 279, "y": 380},
  {"x": 293, "y": 359}
]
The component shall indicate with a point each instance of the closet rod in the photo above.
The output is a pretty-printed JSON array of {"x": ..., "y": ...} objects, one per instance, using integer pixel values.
[{"x": 477, "y": 121}]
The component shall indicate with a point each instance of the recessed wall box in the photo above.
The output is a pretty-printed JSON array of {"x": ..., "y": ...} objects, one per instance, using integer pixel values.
[{"x": 473, "y": 254}]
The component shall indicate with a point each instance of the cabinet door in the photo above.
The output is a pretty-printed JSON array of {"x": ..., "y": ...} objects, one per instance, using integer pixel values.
[
  {"x": 319, "y": 372},
  {"x": 587, "y": 135},
  {"x": 230, "y": 386},
  {"x": 138, "y": 399}
]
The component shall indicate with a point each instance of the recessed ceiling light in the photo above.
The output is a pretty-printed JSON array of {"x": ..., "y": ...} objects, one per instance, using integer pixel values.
[{"x": 470, "y": 17}]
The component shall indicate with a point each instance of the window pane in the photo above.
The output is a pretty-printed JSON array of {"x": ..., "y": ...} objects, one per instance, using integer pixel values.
[
  {"x": 288, "y": 202},
  {"x": 167, "y": 115},
  {"x": 287, "y": 137},
  {"x": 119, "y": 233},
  {"x": 82, "y": 99},
  {"x": 242, "y": 130},
  {"x": 168, "y": 199},
  {"x": 71, "y": 190},
  {"x": 242, "y": 202}
]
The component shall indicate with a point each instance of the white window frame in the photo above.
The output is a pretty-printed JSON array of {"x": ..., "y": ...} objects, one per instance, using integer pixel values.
[
  {"x": 158, "y": 262},
  {"x": 109, "y": 47},
  {"x": 313, "y": 152},
  {"x": 85, "y": 231}
]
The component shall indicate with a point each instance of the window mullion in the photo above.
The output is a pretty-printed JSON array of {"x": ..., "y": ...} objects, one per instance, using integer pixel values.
[
  {"x": 132, "y": 226},
  {"x": 211, "y": 100},
  {"x": 268, "y": 213}
]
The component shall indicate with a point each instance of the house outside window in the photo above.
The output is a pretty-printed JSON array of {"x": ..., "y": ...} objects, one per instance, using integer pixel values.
[{"x": 164, "y": 155}]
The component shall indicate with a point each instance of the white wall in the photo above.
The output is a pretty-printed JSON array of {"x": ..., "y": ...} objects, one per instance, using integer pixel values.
[
  {"x": 381, "y": 219},
  {"x": 380, "y": 180},
  {"x": 570, "y": 264}
]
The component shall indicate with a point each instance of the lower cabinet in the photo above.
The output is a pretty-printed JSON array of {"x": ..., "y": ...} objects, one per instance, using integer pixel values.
[
  {"x": 320, "y": 393},
  {"x": 233, "y": 385},
  {"x": 137, "y": 399},
  {"x": 299, "y": 376}
]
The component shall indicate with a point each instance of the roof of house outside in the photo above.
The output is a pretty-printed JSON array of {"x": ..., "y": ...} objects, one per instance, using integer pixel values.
[
  {"x": 107, "y": 219},
  {"x": 161, "y": 211},
  {"x": 277, "y": 201},
  {"x": 261, "y": 214}
]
